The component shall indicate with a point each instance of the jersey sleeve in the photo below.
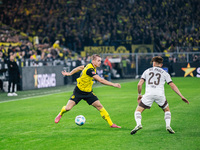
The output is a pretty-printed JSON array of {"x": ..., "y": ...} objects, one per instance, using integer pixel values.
[
  {"x": 144, "y": 75},
  {"x": 90, "y": 72},
  {"x": 168, "y": 78}
]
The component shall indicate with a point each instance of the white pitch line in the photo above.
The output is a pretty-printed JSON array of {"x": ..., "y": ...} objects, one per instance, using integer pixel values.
[
  {"x": 44, "y": 94},
  {"x": 97, "y": 86},
  {"x": 32, "y": 97}
]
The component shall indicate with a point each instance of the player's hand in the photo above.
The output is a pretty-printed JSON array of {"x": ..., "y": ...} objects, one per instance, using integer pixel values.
[
  {"x": 185, "y": 100},
  {"x": 139, "y": 98},
  {"x": 64, "y": 73},
  {"x": 117, "y": 85}
]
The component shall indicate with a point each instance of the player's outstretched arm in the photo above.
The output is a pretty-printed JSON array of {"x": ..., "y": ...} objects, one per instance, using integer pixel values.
[
  {"x": 77, "y": 69},
  {"x": 175, "y": 88},
  {"x": 140, "y": 83},
  {"x": 103, "y": 81}
]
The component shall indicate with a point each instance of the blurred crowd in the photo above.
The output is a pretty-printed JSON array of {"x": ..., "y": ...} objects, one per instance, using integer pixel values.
[
  {"x": 38, "y": 52},
  {"x": 49, "y": 29}
]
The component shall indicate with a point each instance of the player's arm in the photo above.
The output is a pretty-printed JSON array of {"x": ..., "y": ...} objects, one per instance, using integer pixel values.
[
  {"x": 75, "y": 70},
  {"x": 103, "y": 81},
  {"x": 175, "y": 88},
  {"x": 140, "y": 83}
]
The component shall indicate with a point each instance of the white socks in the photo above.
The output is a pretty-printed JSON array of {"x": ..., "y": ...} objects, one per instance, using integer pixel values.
[
  {"x": 138, "y": 117},
  {"x": 168, "y": 118}
]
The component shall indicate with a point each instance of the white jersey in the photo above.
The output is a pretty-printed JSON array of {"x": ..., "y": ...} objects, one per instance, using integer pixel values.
[{"x": 155, "y": 78}]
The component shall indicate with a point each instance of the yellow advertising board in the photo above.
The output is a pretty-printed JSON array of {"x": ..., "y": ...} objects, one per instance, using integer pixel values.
[
  {"x": 146, "y": 48},
  {"x": 8, "y": 44},
  {"x": 104, "y": 49}
]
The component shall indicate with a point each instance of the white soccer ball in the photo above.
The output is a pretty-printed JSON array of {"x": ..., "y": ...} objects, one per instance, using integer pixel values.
[{"x": 80, "y": 120}]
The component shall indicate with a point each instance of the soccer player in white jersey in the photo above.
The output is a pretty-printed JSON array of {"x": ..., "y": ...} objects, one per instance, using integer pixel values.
[{"x": 155, "y": 78}]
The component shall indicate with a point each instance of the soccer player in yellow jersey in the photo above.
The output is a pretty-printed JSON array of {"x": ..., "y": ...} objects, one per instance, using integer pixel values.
[{"x": 83, "y": 90}]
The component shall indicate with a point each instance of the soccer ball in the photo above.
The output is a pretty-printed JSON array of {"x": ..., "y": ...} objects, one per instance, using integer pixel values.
[{"x": 80, "y": 120}]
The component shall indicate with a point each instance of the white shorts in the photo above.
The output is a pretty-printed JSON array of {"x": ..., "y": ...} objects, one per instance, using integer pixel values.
[{"x": 148, "y": 100}]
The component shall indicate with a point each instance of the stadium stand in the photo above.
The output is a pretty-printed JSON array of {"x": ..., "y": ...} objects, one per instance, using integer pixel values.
[
  {"x": 78, "y": 23},
  {"x": 47, "y": 30},
  {"x": 55, "y": 32}
]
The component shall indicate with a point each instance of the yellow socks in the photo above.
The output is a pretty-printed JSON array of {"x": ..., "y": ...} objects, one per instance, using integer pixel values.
[
  {"x": 62, "y": 110},
  {"x": 103, "y": 113},
  {"x": 106, "y": 116}
]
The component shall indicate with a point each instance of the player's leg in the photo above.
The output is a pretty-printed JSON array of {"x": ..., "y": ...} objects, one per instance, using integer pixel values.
[
  {"x": 15, "y": 80},
  {"x": 168, "y": 120},
  {"x": 138, "y": 115},
  {"x": 9, "y": 85},
  {"x": 68, "y": 107},
  {"x": 74, "y": 100},
  {"x": 138, "y": 118},
  {"x": 145, "y": 103},
  {"x": 162, "y": 102},
  {"x": 65, "y": 109},
  {"x": 104, "y": 114}
]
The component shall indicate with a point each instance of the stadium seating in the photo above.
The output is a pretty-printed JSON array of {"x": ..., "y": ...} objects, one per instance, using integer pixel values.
[{"x": 78, "y": 23}]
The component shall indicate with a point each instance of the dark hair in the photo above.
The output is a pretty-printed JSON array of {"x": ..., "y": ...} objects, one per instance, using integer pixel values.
[
  {"x": 94, "y": 56},
  {"x": 157, "y": 59}
]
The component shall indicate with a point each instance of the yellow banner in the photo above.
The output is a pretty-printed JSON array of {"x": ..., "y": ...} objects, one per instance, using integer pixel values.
[
  {"x": 104, "y": 49},
  {"x": 146, "y": 48},
  {"x": 8, "y": 44}
]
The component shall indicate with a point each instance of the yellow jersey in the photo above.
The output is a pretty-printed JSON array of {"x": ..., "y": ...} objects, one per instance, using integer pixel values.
[{"x": 84, "y": 82}]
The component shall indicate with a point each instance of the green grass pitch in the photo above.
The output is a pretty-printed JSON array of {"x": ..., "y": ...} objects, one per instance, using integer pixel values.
[{"x": 27, "y": 121}]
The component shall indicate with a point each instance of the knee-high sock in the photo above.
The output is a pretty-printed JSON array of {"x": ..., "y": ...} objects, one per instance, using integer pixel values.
[
  {"x": 138, "y": 117},
  {"x": 168, "y": 118},
  {"x": 63, "y": 110},
  {"x": 106, "y": 116}
]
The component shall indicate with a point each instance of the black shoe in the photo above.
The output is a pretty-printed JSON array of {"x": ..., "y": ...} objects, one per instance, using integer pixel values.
[{"x": 136, "y": 129}]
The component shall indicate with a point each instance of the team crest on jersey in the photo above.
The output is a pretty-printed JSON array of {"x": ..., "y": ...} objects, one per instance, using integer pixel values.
[{"x": 73, "y": 96}]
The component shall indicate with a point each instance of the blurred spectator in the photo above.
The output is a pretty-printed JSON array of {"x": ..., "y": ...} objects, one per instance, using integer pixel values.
[
  {"x": 167, "y": 24},
  {"x": 125, "y": 61},
  {"x": 88, "y": 59},
  {"x": 108, "y": 62},
  {"x": 78, "y": 63},
  {"x": 33, "y": 55},
  {"x": 56, "y": 45},
  {"x": 75, "y": 23},
  {"x": 106, "y": 71},
  {"x": 133, "y": 66},
  {"x": 1, "y": 56},
  {"x": 196, "y": 58},
  {"x": 14, "y": 75}
]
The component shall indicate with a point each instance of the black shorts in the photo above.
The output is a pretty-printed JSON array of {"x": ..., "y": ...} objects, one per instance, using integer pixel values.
[
  {"x": 13, "y": 78},
  {"x": 78, "y": 95}
]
